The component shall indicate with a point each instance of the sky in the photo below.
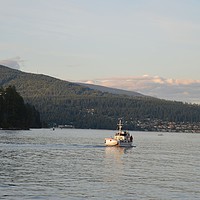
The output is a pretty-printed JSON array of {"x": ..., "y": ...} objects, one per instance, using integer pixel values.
[{"x": 148, "y": 46}]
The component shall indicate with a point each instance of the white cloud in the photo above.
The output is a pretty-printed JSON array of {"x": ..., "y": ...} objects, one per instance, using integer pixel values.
[{"x": 171, "y": 89}]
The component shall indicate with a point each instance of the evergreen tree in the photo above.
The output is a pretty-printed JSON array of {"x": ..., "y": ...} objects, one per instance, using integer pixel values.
[{"x": 14, "y": 113}]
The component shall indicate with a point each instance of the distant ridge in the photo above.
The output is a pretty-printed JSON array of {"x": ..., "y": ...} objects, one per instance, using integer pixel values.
[
  {"x": 112, "y": 90},
  {"x": 31, "y": 85}
]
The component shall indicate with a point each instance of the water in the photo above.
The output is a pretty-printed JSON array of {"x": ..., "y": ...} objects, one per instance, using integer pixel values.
[{"x": 75, "y": 164}]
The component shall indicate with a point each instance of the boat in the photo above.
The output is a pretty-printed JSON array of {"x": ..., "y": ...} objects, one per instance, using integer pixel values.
[{"x": 121, "y": 138}]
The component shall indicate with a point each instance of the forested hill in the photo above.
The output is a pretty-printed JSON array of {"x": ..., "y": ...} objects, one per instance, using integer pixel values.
[
  {"x": 63, "y": 102},
  {"x": 37, "y": 85}
]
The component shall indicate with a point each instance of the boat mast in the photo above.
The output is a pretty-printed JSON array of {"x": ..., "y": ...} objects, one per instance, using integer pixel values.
[{"x": 120, "y": 125}]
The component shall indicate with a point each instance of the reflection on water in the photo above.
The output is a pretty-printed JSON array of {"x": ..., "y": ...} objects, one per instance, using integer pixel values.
[
  {"x": 115, "y": 153},
  {"x": 75, "y": 164},
  {"x": 114, "y": 163}
]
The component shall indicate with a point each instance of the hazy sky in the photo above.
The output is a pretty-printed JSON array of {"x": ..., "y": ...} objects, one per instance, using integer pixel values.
[{"x": 99, "y": 39}]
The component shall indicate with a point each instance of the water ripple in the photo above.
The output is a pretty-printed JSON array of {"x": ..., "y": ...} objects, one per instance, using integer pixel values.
[{"x": 75, "y": 164}]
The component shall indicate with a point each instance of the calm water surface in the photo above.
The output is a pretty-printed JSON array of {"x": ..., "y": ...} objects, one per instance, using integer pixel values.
[{"x": 75, "y": 164}]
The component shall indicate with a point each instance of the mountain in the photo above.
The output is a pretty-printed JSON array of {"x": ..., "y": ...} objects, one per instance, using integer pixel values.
[
  {"x": 47, "y": 85},
  {"x": 111, "y": 90},
  {"x": 57, "y": 100},
  {"x": 33, "y": 85},
  {"x": 63, "y": 102}
]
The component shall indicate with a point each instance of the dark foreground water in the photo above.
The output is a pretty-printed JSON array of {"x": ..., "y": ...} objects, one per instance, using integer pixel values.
[{"x": 74, "y": 164}]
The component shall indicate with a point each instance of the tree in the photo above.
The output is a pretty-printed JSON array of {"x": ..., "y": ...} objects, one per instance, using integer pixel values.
[{"x": 14, "y": 113}]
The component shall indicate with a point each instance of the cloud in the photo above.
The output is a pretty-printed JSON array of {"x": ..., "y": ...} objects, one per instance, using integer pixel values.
[
  {"x": 12, "y": 62},
  {"x": 170, "y": 89}
]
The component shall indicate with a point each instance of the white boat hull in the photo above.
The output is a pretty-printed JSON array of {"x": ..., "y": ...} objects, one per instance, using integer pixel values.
[
  {"x": 110, "y": 142},
  {"x": 114, "y": 142}
]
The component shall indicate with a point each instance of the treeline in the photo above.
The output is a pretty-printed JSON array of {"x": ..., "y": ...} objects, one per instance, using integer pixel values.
[
  {"x": 14, "y": 113},
  {"x": 103, "y": 112}
]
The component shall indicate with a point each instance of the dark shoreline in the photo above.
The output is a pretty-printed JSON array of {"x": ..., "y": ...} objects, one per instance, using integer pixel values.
[{"x": 15, "y": 129}]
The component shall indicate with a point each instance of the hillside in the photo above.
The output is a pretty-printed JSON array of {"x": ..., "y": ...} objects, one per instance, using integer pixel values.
[
  {"x": 37, "y": 85},
  {"x": 63, "y": 102}
]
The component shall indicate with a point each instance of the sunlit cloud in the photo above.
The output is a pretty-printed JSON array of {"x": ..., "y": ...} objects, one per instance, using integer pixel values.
[{"x": 170, "y": 89}]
